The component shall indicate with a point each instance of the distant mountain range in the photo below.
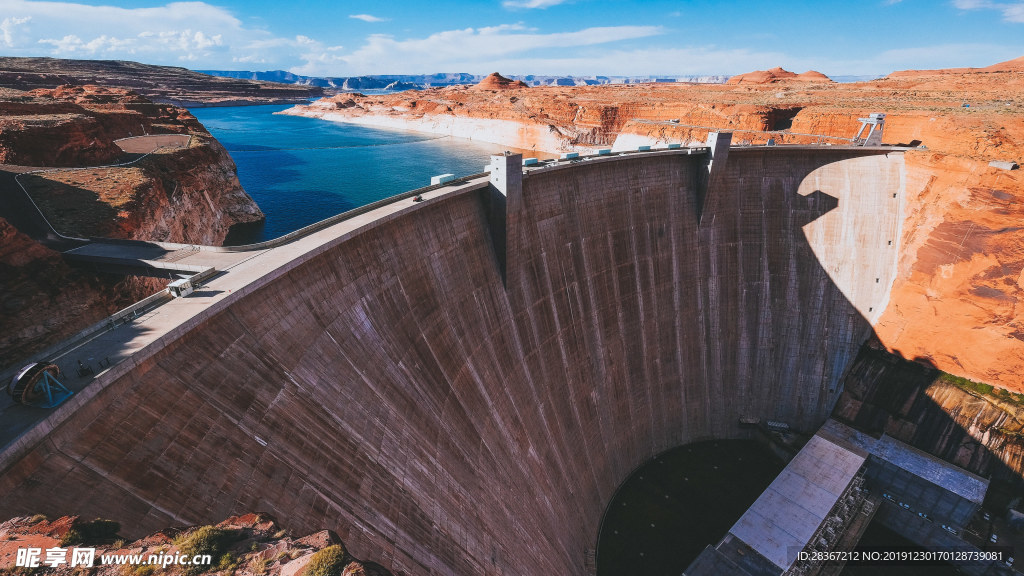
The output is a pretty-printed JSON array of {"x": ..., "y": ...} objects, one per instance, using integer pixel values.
[
  {"x": 420, "y": 81},
  {"x": 167, "y": 84}
]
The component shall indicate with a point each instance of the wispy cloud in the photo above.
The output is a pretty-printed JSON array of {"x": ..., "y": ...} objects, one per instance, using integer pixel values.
[
  {"x": 530, "y": 4},
  {"x": 1012, "y": 12},
  {"x": 953, "y": 55},
  {"x": 368, "y": 18},
  {"x": 205, "y": 36},
  {"x": 468, "y": 49},
  {"x": 9, "y": 29},
  {"x": 197, "y": 34},
  {"x": 972, "y": 4}
]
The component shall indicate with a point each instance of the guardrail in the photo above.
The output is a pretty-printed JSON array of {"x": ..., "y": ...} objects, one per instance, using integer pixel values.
[
  {"x": 122, "y": 316},
  {"x": 127, "y": 314},
  {"x": 317, "y": 226},
  {"x": 337, "y": 218},
  {"x": 204, "y": 273},
  {"x": 328, "y": 222}
]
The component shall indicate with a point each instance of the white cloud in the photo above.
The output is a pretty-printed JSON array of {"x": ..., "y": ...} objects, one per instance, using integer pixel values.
[
  {"x": 959, "y": 55},
  {"x": 211, "y": 37},
  {"x": 248, "y": 59},
  {"x": 645, "y": 61},
  {"x": 201, "y": 34},
  {"x": 1012, "y": 12},
  {"x": 515, "y": 49},
  {"x": 972, "y": 4},
  {"x": 9, "y": 29},
  {"x": 368, "y": 18},
  {"x": 528, "y": 4},
  {"x": 470, "y": 49},
  {"x": 944, "y": 56}
]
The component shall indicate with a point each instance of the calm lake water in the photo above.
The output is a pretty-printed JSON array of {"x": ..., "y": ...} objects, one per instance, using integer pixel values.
[
  {"x": 668, "y": 510},
  {"x": 302, "y": 170}
]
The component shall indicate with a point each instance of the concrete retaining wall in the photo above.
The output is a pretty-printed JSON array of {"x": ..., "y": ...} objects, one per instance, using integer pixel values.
[{"x": 444, "y": 422}]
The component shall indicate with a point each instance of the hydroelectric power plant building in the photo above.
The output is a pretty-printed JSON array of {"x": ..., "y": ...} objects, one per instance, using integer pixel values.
[
  {"x": 460, "y": 384},
  {"x": 824, "y": 499}
]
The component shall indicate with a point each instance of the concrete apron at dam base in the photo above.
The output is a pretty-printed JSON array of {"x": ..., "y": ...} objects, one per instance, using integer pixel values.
[{"x": 458, "y": 386}]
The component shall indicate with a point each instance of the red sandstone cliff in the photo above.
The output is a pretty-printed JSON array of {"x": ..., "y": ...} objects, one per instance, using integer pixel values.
[
  {"x": 961, "y": 271},
  {"x": 981, "y": 430},
  {"x": 41, "y": 295},
  {"x": 77, "y": 125},
  {"x": 187, "y": 194}
]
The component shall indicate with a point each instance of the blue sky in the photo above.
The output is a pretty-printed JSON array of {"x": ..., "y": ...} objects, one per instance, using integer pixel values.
[{"x": 578, "y": 37}]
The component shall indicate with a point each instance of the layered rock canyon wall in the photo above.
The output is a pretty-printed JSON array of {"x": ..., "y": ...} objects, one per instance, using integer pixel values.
[
  {"x": 916, "y": 404},
  {"x": 189, "y": 195}
]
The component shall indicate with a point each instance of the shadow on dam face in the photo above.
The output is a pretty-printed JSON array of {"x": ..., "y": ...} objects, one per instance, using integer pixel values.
[{"x": 391, "y": 386}]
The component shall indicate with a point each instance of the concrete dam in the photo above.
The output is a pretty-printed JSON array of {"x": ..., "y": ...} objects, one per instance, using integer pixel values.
[{"x": 459, "y": 385}]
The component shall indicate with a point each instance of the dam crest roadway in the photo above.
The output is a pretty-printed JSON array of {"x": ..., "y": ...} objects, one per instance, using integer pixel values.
[{"x": 460, "y": 383}]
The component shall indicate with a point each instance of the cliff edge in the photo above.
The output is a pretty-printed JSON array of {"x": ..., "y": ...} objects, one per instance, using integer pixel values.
[{"x": 61, "y": 145}]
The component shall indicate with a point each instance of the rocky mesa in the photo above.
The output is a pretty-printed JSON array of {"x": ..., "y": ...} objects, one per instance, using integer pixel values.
[
  {"x": 245, "y": 545},
  {"x": 960, "y": 279},
  {"x": 777, "y": 74}
]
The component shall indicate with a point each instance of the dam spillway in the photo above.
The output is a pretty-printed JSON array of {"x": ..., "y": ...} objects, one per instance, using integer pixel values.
[{"x": 455, "y": 400}]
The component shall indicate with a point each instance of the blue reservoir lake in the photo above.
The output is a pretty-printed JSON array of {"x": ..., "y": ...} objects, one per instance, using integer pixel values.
[{"x": 302, "y": 170}]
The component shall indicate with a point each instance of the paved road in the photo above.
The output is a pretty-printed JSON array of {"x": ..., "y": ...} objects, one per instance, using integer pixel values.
[
  {"x": 185, "y": 259},
  {"x": 239, "y": 270}
]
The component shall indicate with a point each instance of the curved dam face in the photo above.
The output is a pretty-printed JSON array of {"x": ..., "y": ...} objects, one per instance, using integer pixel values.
[{"x": 448, "y": 418}]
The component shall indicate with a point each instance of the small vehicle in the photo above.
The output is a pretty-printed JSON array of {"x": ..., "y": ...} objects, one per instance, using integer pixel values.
[
  {"x": 923, "y": 515},
  {"x": 993, "y": 539},
  {"x": 905, "y": 506},
  {"x": 950, "y": 530},
  {"x": 1009, "y": 561},
  {"x": 986, "y": 516},
  {"x": 886, "y": 496}
]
